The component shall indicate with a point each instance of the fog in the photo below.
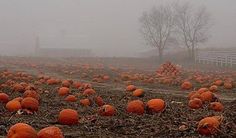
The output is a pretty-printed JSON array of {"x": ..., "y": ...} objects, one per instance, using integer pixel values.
[{"x": 107, "y": 27}]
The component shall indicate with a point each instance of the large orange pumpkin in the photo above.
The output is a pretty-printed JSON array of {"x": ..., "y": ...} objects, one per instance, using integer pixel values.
[
  {"x": 130, "y": 88},
  {"x": 63, "y": 91},
  {"x": 208, "y": 126},
  {"x": 107, "y": 110},
  {"x": 99, "y": 101},
  {"x": 85, "y": 102},
  {"x": 216, "y": 106},
  {"x": 65, "y": 83},
  {"x": 30, "y": 103},
  {"x": 13, "y": 105},
  {"x": 213, "y": 88},
  {"x": 186, "y": 85},
  {"x": 4, "y": 98},
  {"x": 195, "y": 103},
  {"x": 71, "y": 98},
  {"x": 21, "y": 130},
  {"x": 207, "y": 96},
  {"x": 68, "y": 117},
  {"x": 50, "y": 132},
  {"x": 135, "y": 106},
  {"x": 218, "y": 82},
  {"x": 31, "y": 93},
  {"x": 18, "y": 88},
  {"x": 89, "y": 91},
  {"x": 155, "y": 105},
  {"x": 202, "y": 90},
  {"x": 138, "y": 92}
]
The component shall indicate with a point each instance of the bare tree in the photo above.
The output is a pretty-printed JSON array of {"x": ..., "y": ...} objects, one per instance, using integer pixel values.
[
  {"x": 192, "y": 26},
  {"x": 156, "y": 27}
]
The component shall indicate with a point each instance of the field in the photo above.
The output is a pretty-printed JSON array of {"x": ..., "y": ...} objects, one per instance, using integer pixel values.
[{"x": 109, "y": 78}]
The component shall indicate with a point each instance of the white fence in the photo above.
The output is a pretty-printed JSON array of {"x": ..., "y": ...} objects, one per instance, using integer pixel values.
[{"x": 219, "y": 58}]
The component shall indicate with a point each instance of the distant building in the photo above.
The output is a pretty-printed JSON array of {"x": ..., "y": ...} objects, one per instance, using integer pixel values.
[{"x": 60, "y": 52}]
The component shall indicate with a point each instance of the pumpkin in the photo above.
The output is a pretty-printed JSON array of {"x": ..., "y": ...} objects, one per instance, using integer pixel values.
[
  {"x": 50, "y": 132},
  {"x": 65, "y": 83},
  {"x": 89, "y": 92},
  {"x": 213, "y": 88},
  {"x": 191, "y": 94},
  {"x": 186, "y": 85},
  {"x": 138, "y": 92},
  {"x": 130, "y": 88},
  {"x": 18, "y": 88},
  {"x": 13, "y": 106},
  {"x": 196, "y": 95},
  {"x": 195, "y": 103},
  {"x": 106, "y": 77},
  {"x": 30, "y": 104},
  {"x": 68, "y": 117},
  {"x": 155, "y": 105},
  {"x": 4, "y": 98},
  {"x": 218, "y": 83},
  {"x": 202, "y": 90},
  {"x": 31, "y": 93},
  {"x": 207, "y": 96},
  {"x": 85, "y": 102},
  {"x": 52, "y": 81},
  {"x": 77, "y": 85},
  {"x": 21, "y": 130},
  {"x": 208, "y": 126},
  {"x": 19, "y": 99},
  {"x": 107, "y": 110},
  {"x": 228, "y": 85},
  {"x": 216, "y": 106},
  {"x": 63, "y": 91},
  {"x": 99, "y": 101},
  {"x": 136, "y": 107},
  {"x": 71, "y": 98}
]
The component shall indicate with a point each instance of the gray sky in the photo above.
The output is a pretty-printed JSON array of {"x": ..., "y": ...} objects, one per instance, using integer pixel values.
[{"x": 108, "y": 27}]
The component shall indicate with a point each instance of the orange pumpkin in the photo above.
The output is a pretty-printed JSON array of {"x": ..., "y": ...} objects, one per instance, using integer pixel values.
[
  {"x": 99, "y": 101},
  {"x": 216, "y": 106},
  {"x": 195, "y": 103},
  {"x": 130, "y": 88},
  {"x": 65, "y": 83},
  {"x": 68, "y": 117},
  {"x": 208, "y": 126},
  {"x": 50, "y": 132},
  {"x": 202, "y": 90},
  {"x": 13, "y": 105},
  {"x": 31, "y": 93},
  {"x": 218, "y": 83},
  {"x": 18, "y": 88},
  {"x": 207, "y": 96},
  {"x": 63, "y": 91},
  {"x": 228, "y": 85},
  {"x": 4, "y": 98},
  {"x": 138, "y": 92},
  {"x": 21, "y": 130},
  {"x": 135, "y": 106},
  {"x": 52, "y": 81},
  {"x": 107, "y": 110},
  {"x": 191, "y": 94},
  {"x": 30, "y": 104},
  {"x": 85, "y": 102},
  {"x": 155, "y": 105},
  {"x": 89, "y": 92},
  {"x": 71, "y": 98},
  {"x": 213, "y": 88},
  {"x": 186, "y": 85},
  {"x": 77, "y": 84}
]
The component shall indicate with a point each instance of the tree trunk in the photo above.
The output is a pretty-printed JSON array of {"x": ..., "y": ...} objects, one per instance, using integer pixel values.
[
  {"x": 189, "y": 54},
  {"x": 193, "y": 53},
  {"x": 160, "y": 55}
]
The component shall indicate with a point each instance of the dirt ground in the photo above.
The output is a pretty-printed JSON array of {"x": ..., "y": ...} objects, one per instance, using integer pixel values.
[{"x": 165, "y": 124}]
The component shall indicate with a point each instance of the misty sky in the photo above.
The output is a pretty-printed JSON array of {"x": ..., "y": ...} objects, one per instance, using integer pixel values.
[{"x": 108, "y": 27}]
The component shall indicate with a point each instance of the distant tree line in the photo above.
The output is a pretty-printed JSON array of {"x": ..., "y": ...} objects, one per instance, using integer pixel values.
[{"x": 176, "y": 22}]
